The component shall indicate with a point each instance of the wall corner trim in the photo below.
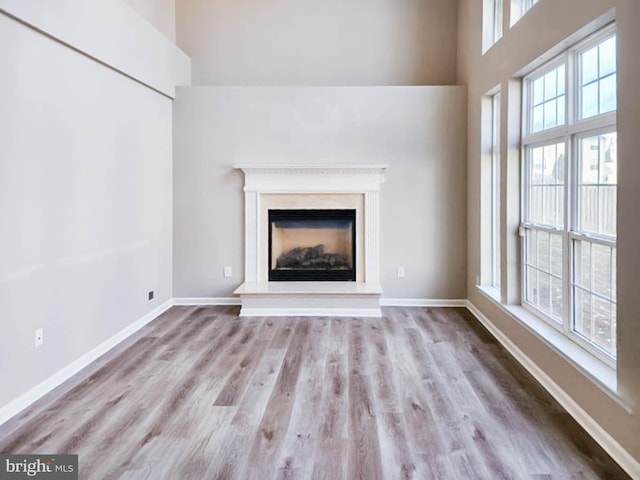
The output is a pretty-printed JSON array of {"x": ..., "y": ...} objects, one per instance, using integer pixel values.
[{"x": 599, "y": 434}]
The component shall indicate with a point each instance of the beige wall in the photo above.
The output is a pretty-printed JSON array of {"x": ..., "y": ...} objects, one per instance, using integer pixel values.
[
  {"x": 417, "y": 131},
  {"x": 550, "y": 27},
  {"x": 308, "y": 42}
]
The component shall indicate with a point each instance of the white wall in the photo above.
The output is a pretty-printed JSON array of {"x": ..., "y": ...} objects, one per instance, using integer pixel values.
[
  {"x": 85, "y": 202},
  {"x": 309, "y": 42},
  {"x": 549, "y": 27},
  {"x": 160, "y": 13},
  {"x": 418, "y": 131}
]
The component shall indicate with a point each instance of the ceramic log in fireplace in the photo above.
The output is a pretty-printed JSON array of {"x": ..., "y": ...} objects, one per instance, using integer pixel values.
[{"x": 312, "y": 245}]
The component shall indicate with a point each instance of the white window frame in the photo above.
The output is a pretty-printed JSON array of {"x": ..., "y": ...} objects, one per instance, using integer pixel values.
[{"x": 569, "y": 134}]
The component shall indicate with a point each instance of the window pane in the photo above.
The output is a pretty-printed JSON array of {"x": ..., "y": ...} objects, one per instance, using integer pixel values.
[
  {"x": 537, "y": 166},
  {"x": 582, "y": 314},
  {"x": 597, "y": 184},
  {"x": 589, "y": 65},
  {"x": 607, "y": 209},
  {"x": 561, "y": 110},
  {"x": 607, "y": 57},
  {"x": 582, "y": 264},
  {"x": 538, "y": 91},
  {"x": 601, "y": 258},
  {"x": 593, "y": 293},
  {"x": 608, "y": 94},
  {"x": 550, "y": 84},
  {"x": 532, "y": 285},
  {"x": 599, "y": 90},
  {"x": 536, "y": 207},
  {"x": 590, "y": 100},
  {"x": 614, "y": 293},
  {"x": 556, "y": 297},
  {"x": 544, "y": 250},
  {"x": 543, "y": 271},
  {"x": 589, "y": 209},
  {"x": 601, "y": 318},
  {"x": 546, "y": 190},
  {"x": 561, "y": 80},
  {"x": 547, "y": 90},
  {"x": 538, "y": 117},
  {"x": 608, "y": 149},
  {"x": 556, "y": 255},
  {"x": 550, "y": 119}
]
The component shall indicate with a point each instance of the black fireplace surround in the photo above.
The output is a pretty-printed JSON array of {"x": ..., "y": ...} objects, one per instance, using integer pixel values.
[{"x": 312, "y": 245}]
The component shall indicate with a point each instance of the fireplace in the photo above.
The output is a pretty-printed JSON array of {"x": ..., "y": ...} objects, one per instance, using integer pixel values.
[
  {"x": 311, "y": 240},
  {"x": 312, "y": 245}
]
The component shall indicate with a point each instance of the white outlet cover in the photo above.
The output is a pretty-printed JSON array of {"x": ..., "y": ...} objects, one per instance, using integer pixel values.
[
  {"x": 227, "y": 272},
  {"x": 39, "y": 340}
]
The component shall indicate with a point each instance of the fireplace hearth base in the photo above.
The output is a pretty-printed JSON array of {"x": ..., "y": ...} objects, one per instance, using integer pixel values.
[{"x": 310, "y": 299}]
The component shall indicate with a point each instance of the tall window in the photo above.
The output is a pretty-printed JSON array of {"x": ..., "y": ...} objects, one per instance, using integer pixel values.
[
  {"x": 569, "y": 194},
  {"x": 491, "y": 23},
  {"x": 490, "y": 193},
  {"x": 495, "y": 191}
]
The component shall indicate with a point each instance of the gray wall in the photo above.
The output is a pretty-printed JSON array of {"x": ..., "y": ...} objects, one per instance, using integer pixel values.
[
  {"x": 85, "y": 197},
  {"x": 310, "y": 42},
  {"x": 417, "y": 131},
  {"x": 520, "y": 46}
]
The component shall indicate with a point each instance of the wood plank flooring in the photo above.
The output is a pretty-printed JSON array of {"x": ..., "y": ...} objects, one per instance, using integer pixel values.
[{"x": 200, "y": 393}]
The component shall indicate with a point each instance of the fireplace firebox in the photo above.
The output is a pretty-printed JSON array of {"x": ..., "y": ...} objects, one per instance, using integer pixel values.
[{"x": 312, "y": 245}]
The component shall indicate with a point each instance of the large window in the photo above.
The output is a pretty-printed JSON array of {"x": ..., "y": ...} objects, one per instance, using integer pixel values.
[{"x": 569, "y": 193}]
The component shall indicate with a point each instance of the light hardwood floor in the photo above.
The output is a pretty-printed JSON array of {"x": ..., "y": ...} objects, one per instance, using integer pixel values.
[{"x": 200, "y": 393}]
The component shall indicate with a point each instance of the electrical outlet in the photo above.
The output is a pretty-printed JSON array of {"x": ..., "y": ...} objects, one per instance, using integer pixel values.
[
  {"x": 151, "y": 295},
  {"x": 400, "y": 272},
  {"x": 227, "y": 272},
  {"x": 39, "y": 337}
]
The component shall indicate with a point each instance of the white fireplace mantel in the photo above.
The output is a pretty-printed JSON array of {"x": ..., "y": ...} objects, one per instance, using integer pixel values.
[{"x": 311, "y": 186}]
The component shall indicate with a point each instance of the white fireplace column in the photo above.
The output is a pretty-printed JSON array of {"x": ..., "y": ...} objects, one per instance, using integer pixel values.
[{"x": 318, "y": 187}]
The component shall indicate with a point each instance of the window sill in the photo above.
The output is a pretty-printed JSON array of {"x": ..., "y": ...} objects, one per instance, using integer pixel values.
[{"x": 601, "y": 374}]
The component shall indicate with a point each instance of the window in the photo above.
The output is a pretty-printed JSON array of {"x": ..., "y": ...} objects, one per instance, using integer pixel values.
[
  {"x": 569, "y": 193},
  {"x": 490, "y": 194},
  {"x": 491, "y": 23},
  {"x": 495, "y": 191},
  {"x": 519, "y": 8}
]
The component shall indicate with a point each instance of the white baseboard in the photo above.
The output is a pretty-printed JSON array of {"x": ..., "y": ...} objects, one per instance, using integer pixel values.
[
  {"x": 599, "y": 434},
  {"x": 206, "y": 301},
  {"x": 30, "y": 396},
  {"x": 422, "y": 302}
]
